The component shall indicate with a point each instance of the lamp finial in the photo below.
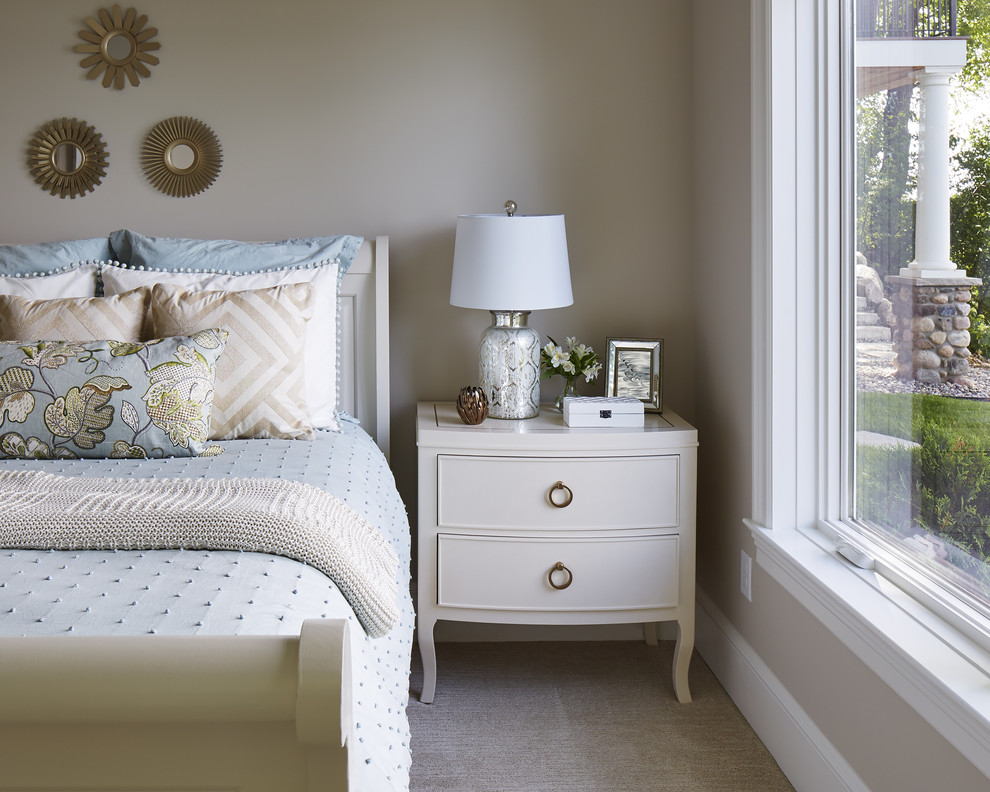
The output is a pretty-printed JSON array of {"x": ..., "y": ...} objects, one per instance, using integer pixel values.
[{"x": 510, "y": 208}]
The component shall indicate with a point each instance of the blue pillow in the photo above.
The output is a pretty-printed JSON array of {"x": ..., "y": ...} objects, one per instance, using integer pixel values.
[
  {"x": 229, "y": 256},
  {"x": 45, "y": 258},
  {"x": 100, "y": 399}
]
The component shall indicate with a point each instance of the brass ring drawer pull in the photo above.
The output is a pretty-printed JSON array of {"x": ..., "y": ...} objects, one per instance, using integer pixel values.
[
  {"x": 559, "y": 567},
  {"x": 568, "y": 497}
]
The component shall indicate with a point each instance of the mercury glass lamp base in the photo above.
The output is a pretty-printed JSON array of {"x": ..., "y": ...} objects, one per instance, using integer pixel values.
[{"x": 510, "y": 366}]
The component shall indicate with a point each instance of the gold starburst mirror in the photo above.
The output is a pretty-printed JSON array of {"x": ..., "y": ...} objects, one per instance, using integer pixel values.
[
  {"x": 67, "y": 157},
  {"x": 118, "y": 44},
  {"x": 181, "y": 156}
]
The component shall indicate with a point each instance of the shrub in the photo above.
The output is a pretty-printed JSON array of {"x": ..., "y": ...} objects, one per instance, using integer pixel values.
[
  {"x": 979, "y": 333},
  {"x": 940, "y": 486}
]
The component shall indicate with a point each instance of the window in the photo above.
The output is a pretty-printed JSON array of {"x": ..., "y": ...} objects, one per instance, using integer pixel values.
[
  {"x": 812, "y": 523},
  {"x": 922, "y": 382}
]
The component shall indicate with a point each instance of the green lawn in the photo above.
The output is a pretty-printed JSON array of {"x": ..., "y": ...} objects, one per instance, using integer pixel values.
[
  {"x": 941, "y": 487},
  {"x": 904, "y": 415}
]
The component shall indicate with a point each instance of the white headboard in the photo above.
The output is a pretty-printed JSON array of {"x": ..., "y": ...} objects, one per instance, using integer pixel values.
[{"x": 364, "y": 340}]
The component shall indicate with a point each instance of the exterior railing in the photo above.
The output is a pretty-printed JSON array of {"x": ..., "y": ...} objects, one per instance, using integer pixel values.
[{"x": 905, "y": 18}]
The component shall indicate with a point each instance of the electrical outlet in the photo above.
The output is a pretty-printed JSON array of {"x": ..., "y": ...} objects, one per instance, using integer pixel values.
[{"x": 746, "y": 575}]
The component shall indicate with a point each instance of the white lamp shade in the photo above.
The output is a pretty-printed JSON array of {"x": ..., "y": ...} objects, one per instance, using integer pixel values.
[{"x": 507, "y": 263}]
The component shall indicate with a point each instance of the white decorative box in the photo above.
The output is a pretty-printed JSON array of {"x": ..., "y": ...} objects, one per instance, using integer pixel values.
[{"x": 603, "y": 411}]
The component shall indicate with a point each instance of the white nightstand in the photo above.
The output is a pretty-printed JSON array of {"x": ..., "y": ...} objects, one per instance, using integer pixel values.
[{"x": 532, "y": 522}]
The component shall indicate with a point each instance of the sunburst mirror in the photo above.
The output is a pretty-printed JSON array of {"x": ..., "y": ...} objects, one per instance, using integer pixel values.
[
  {"x": 67, "y": 157},
  {"x": 118, "y": 44},
  {"x": 181, "y": 156}
]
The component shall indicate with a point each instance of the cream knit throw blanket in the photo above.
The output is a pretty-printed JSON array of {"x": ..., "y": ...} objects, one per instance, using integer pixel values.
[{"x": 41, "y": 510}]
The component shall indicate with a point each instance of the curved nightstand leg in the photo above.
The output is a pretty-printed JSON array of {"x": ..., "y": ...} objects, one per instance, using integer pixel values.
[
  {"x": 428, "y": 652},
  {"x": 650, "y": 633},
  {"x": 682, "y": 659}
]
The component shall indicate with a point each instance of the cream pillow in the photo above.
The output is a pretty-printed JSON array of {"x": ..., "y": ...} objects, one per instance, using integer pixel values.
[
  {"x": 260, "y": 388},
  {"x": 74, "y": 319},
  {"x": 321, "y": 337},
  {"x": 77, "y": 281}
]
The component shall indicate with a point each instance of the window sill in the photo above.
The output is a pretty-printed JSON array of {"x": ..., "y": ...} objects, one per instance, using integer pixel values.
[{"x": 938, "y": 672}]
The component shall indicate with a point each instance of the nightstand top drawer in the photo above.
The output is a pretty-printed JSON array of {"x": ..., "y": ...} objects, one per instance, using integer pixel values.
[
  {"x": 568, "y": 493},
  {"x": 439, "y": 426}
]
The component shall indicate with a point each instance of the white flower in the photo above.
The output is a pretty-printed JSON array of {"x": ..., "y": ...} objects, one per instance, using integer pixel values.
[{"x": 572, "y": 360}]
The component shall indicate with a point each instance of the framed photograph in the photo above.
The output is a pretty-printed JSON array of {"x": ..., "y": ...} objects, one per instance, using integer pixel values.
[{"x": 635, "y": 368}]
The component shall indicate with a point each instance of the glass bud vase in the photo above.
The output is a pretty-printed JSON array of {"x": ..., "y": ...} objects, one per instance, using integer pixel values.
[{"x": 569, "y": 390}]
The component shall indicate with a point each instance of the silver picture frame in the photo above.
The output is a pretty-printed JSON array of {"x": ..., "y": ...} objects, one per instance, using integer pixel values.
[{"x": 635, "y": 368}]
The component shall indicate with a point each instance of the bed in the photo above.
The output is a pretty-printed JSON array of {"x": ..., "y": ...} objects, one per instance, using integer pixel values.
[{"x": 167, "y": 653}]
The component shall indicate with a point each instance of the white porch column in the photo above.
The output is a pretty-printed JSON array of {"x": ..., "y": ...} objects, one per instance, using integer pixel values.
[{"x": 931, "y": 231}]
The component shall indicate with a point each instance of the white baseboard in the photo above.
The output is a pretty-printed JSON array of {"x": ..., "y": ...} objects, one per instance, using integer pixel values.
[{"x": 810, "y": 761}]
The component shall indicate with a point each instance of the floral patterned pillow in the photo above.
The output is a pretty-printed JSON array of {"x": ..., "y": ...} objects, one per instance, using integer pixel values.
[{"x": 108, "y": 399}]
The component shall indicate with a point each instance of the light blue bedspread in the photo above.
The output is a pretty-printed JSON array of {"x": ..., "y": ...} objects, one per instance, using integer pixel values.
[{"x": 176, "y": 592}]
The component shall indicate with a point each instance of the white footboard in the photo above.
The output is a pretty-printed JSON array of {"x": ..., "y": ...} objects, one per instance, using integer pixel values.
[{"x": 257, "y": 714}]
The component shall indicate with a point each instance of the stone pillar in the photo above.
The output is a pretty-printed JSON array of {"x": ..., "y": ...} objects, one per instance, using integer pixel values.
[
  {"x": 932, "y": 297},
  {"x": 932, "y": 333}
]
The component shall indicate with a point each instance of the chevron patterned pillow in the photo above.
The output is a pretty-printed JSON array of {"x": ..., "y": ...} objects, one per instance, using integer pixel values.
[
  {"x": 119, "y": 317},
  {"x": 260, "y": 388}
]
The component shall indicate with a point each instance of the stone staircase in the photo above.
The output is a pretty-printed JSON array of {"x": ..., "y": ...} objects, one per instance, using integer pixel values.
[{"x": 869, "y": 329}]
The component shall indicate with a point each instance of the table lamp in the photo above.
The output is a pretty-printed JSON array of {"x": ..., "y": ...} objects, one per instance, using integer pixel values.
[{"x": 510, "y": 265}]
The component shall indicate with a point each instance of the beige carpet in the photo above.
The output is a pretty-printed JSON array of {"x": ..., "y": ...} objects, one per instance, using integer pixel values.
[{"x": 576, "y": 717}]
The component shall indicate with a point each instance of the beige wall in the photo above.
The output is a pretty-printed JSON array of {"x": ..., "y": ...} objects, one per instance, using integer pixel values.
[{"x": 392, "y": 117}]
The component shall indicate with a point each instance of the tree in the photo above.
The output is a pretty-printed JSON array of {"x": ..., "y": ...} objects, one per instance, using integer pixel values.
[
  {"x": 885, "y": 181},
  {"x": 971, "y": 207},
  {"x": 884, "y": 176},
  {"x": 973, "y": 21},
  {"x": 970, "y": 228},
  {"x": 970, "y": 203}
]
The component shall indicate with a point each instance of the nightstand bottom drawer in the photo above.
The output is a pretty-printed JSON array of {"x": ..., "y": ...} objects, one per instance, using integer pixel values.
[{"x": 515, "y": 573}]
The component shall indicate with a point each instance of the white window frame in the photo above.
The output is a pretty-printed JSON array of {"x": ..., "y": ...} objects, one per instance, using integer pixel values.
[{"x": 802, "y": 436}]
